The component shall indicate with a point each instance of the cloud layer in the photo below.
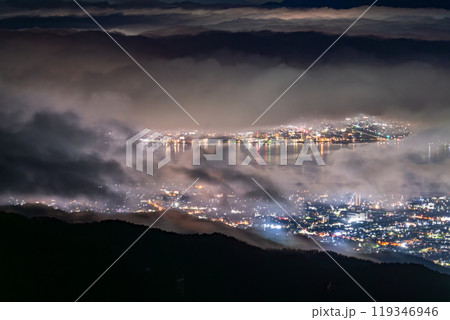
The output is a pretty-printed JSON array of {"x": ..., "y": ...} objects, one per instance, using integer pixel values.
[
  {"x": 64, "y": 86},
  {"x": 224, "y": 86}
]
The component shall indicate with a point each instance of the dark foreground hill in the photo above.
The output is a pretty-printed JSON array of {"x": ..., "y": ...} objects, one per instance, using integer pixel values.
[{"x": 44, "y": 259}]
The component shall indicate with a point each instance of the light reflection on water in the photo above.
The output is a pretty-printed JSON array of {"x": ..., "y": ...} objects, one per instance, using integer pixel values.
[{"x": 270, "y": 152}]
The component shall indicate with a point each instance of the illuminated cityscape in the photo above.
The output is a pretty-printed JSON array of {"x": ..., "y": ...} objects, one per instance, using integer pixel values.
[
  {"x": 235, "y": 150},
  {"x": 416, "y": 226}
]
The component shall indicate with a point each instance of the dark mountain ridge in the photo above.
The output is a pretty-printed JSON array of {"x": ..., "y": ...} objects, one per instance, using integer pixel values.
[{"x": 44, "y": 259}]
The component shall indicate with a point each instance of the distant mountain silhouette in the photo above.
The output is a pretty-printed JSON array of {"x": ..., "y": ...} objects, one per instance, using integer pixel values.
[{"x": 44, "y": 259}]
